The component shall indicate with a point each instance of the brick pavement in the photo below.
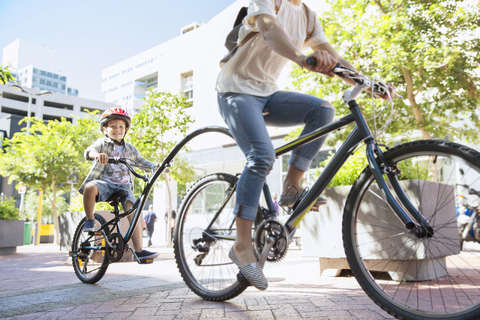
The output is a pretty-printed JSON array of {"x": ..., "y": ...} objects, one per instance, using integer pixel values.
[{"x": 39, "y": 283}]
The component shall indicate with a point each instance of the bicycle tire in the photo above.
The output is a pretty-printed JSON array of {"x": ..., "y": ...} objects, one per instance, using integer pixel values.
[
  {"x": 90, "y": 266},
  {"x": 212, "y": 276},
  {"x": 410, "y": 277}
]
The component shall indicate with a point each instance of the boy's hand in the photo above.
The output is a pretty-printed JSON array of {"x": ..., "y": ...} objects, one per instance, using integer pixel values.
[{"x": 102, "y": 158}]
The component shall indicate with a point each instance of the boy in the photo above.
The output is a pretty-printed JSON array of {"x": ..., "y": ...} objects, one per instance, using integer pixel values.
[{"x": 105, "y": 179}]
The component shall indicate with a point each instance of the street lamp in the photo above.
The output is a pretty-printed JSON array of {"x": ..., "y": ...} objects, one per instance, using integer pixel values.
[{"x": 44, "y": 93}]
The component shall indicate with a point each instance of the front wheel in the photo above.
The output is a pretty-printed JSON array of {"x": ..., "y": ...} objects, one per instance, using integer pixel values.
[
  {"x": 204, "y": 233},
  {"x": 409, "y": 276},
  {"x": 89, "y": 264}
]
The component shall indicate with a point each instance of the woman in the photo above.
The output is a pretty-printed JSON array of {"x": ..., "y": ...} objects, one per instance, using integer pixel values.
[{"x": 246, "y": 87}]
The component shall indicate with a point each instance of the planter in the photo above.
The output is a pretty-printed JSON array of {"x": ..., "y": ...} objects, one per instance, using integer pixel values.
[
  {"x": 11, "y": 235},
  {"x": 322, "y": 231}
]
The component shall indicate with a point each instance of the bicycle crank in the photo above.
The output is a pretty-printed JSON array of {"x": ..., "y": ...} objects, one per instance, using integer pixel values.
[{"x": 271, "y": 234}]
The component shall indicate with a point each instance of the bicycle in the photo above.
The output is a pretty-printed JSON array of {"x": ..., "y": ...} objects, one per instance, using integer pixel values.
[
  {"x": 400, "y": 236},
  {"x": 92, "y": 252}
]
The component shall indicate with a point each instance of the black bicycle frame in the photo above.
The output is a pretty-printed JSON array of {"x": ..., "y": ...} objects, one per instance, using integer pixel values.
[{"x": 140, "y": 202}]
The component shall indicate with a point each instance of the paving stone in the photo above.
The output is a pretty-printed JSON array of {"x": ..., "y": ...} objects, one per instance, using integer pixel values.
[
  {"x": 253, "y": 315},
  {"x": 144, "y": 312},
  {"x": 212, "y": 313}
]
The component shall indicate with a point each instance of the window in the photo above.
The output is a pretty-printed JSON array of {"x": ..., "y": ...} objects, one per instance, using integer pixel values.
[
  {"x": 55, "y": 85},
  {"x": 49, "y": 83},
  {"x": 55, "y": 76},
  {"x": 49, "y": 74},
  {"x": 42, "y": 81},
  {"x": 63, "y": 87},
  {"x": 63, "y": 79},
  {"x": 43, "y": 73},
  {"x": 26, "y": 71},
  {"x": 187, "y": 85},
  {"x": 35, "y": 70}
]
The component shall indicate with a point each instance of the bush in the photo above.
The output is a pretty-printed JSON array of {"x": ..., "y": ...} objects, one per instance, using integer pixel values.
[
  {"x": 349, "y": 172},
  {"x": 76, "y": 204},
  {"x": 8, "y": 210},
  {"x": 351, "y": 169}
]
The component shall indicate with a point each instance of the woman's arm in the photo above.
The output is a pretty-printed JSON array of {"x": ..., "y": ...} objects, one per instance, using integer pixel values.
[{"x": 279, "y": 41}]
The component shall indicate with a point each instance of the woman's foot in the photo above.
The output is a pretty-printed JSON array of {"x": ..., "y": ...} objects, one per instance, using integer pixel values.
[
  {"x": 251, "y": 271},
  {"x": 293, "y": 193}
]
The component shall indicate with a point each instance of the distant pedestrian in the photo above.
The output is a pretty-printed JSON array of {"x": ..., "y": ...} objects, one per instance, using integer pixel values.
[
  {"x": 275, "y": 204},
  {"x": 150, "y": 219},
  {"x": 171, "y": 223}
]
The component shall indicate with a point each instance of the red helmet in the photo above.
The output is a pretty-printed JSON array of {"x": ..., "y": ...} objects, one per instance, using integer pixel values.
[{"x": 115, "y": 113}]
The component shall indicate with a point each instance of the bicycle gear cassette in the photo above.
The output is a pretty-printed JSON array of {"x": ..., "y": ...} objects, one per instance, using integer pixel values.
[{"x": 272, "y": 228}]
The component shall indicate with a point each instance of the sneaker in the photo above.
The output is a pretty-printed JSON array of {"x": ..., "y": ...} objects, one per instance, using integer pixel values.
[
  {"x": 144, "y": 255},
  {"x": 89, "y": 225}
]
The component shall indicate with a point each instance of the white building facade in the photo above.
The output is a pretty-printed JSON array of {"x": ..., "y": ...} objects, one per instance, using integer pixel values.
[{"x": 189, "y": 64}]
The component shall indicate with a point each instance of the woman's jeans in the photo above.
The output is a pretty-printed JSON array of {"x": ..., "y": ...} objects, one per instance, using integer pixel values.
[{"x": 243, "y": 115}]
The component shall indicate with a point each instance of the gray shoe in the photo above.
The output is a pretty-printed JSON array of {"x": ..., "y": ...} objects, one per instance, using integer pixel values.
[{"x": 89, "y": 225}]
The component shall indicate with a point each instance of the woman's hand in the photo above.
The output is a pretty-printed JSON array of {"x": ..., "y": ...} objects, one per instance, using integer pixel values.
[
  {"x": 325, "y": 63},
  {"x": 391, "y": 88}
]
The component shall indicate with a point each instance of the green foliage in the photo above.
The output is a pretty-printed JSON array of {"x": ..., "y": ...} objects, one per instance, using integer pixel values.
[
  {"x": 157, "y": 128},
  {"x": 428, "y": 49},
  {"x": 31, "y": 205},
  {"x": 8, "y": 210},
  {"x": 5, "y": 75},
  {"x": 349, "y": 172},
  {"x": 45, "y": 155},
  {"x": 76, "y": 205}
]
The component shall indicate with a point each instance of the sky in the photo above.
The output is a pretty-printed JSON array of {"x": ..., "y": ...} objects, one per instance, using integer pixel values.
[{"x": 89, "y": 36}]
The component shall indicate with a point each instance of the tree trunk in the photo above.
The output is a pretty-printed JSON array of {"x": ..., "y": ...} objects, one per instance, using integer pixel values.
[
  {"x": 169, "y": 209},
  {"x": 416, "y": 110},
  {"x": 55, "y": 215}
]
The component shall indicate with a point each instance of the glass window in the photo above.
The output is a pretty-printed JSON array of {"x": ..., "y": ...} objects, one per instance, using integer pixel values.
[
  {"x": 42, "y": 81},
  {"x": 26, "y": 71},
  {"x": 187, "y": 85},
  {"x": 55, "y": 85},
  {"x": 49, "y": 83},
  {"x": 43, "y": 73},
  {"x": 35, "y": 70},
  {"x": 55, "y": 76},
  {"x": 63, "y": 86},
  {"x": 49, "y": 74},
  {"x": 63, "y": 78}
]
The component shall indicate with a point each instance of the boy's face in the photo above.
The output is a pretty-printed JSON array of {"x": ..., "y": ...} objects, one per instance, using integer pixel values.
[{"x": 115, "y": 129}]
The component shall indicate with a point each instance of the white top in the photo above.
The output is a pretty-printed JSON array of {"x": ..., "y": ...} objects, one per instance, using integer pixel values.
[
  {"x": 255, "y": 67},
  {"x": 117, "y": 173}
]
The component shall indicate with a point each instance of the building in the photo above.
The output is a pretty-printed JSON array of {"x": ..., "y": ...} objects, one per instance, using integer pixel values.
[
  {"x": 189, "y": 64},
  {"x": 33, "y": 65}
]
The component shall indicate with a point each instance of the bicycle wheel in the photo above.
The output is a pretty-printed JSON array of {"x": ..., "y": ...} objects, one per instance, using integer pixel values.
[
  {"x": 202, "y": 254},
  {"x": 407, "y": 276},
  {"x": 89, "y": 265}
]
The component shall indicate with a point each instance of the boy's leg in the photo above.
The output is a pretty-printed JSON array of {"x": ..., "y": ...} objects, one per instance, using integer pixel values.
[
  {"x": 137, "y": 233},
  {"x": 89, "y": 196}
]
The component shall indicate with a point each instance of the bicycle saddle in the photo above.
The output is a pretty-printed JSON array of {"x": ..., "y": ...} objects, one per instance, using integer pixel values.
[{"x": 117, "y": 196}]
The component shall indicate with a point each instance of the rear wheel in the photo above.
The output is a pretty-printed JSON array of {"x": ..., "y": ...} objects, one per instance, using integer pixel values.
[
  {"x": 90, "y": 265},
  {"x": 415, "y": 277},
  {"x": 202, "y": 242}
]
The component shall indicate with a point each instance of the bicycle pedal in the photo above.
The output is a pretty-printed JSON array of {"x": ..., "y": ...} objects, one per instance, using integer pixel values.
[{"x": 146, "y": 261}]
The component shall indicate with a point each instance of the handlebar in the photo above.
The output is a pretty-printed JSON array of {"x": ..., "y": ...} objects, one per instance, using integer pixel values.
[
  {"x": 344, "y": 72},
  {"x": 130, "y": 166}
]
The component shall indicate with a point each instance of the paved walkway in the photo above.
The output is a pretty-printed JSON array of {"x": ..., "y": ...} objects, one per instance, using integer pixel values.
[{"x": 39, "y": 283}]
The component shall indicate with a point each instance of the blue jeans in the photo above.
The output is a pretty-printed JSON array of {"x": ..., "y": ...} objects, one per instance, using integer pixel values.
[{"x": 243, "y": 115}]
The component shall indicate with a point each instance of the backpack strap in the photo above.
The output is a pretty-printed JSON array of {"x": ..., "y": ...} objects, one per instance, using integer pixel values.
[{"x": 311, "y": 21}]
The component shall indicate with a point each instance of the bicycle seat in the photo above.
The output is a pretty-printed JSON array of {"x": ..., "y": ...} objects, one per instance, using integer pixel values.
[{"x": 117, "y": 196}]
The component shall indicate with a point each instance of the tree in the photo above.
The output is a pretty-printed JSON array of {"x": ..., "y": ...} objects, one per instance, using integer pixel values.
[
  {"x": 44, "y": 155},
  {"x": 5, "y": 75},
  {"x": 155, "y": 131},
  {"x": 428, "y": 49}
]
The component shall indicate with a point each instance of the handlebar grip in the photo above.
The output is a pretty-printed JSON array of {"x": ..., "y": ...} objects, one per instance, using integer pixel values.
[
  {"x": 312, "y": 61},
  {"x": 113, "y": 160}
]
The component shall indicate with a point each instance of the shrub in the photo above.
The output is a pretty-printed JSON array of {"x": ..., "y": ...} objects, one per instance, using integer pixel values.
[
  {"x": 8, "y": 210},
  {"x": 76, "y": 204}
]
